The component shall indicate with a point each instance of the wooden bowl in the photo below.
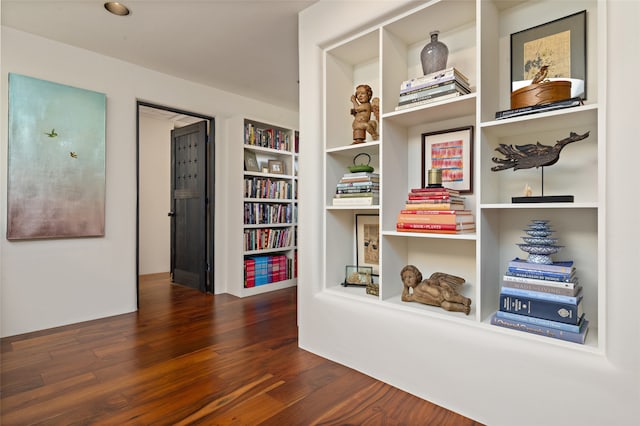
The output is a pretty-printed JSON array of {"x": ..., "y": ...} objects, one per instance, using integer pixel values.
[{"x": 540, "y": 94}]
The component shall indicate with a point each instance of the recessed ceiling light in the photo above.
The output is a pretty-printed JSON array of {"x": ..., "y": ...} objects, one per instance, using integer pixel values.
[{"x": 116, "y": 8}]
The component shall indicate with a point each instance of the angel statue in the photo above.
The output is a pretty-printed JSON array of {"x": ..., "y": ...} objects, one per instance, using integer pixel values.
[
  {"x": 363, "y": 106},
  {"x": 440, "y": 289}
]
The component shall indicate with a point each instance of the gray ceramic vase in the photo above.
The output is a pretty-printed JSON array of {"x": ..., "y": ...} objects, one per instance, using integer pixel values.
[{"x": 434, "y": 55}]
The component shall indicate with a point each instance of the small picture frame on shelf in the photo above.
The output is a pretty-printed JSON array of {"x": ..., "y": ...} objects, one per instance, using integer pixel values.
[
  {"x": 368, "y": 241},
  {"x": 560, "y": 44},
  {"x": 250, "y": 161},
  {"x": 452, "y": 152},
  {"x": 357, "y": 276},
  {"x": 276, "y": 167}
]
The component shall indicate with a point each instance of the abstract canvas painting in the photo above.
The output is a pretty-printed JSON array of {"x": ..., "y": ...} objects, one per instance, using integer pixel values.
[{"x": 56, "y": 182}]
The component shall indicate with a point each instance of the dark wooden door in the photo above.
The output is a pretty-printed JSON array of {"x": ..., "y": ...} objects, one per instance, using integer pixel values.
[{"x": 188, "y": 205}]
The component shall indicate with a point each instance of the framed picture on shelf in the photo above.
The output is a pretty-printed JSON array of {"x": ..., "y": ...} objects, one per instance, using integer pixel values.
[
  {"x": 368, "y": 241},
  {"x": 357, "y": 275},
  {"x": 452, "y": 152},
  {"x": 276, "y": 167},
  {"x": 250, "y": 161},
  {"x": 561, "y": 45}
]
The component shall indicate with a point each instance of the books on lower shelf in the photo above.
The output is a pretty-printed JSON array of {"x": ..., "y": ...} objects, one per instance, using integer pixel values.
[
  {"x": 444, "y": 84},
  {"x": 569, "y": 336},
  {"x": 358, "y": 189},
  {"x": 435, "y": 210},
  {"x": 543, "y": 299},
  {"x": 261, "y": 270}
]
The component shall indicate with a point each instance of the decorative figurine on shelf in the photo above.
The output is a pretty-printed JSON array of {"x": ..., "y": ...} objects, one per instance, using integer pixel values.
[
  {"x": 440, "y": 289},
  {"x": 535, "y": 155},
  {"x": 539, "y": 243},
  {"x": 532, "y": 155},
  {"x": 363, "y": 105}
]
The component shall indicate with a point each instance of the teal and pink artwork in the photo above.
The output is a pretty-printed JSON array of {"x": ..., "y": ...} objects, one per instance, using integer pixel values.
[{"x": 56, "y": 182}]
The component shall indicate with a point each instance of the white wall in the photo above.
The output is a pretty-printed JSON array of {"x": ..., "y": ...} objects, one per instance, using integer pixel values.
[
  {"x": 55, "y": 282},
  {"x": 487, "y": 376},
  {"x": 154, "y": 195}
]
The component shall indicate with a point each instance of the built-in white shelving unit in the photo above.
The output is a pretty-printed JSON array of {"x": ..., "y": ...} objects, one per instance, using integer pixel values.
[
  {"x": 265, "y": 199},
  {"x": 478, "y": 35}
]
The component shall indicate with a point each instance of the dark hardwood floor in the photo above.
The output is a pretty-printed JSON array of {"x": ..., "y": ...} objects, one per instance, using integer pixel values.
[{"x": 190, "y": 358}]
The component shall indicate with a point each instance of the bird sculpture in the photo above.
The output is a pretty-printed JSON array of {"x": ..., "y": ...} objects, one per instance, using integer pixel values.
[
  {"x": 540, "y": 75},
  {"x": 532, "y": 155}
]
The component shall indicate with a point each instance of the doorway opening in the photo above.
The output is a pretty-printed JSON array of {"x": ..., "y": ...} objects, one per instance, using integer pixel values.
[{"x": 175, "y": 195}]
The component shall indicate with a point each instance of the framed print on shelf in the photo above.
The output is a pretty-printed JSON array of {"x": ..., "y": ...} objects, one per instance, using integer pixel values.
[
  {"x": 250, "y": 161},
  {"x": 560, "y": 44},
  {"x": 368, "y": 241},
  {"x": 452, "y": 152},
  {"x": 357, "y": 275},
  {"x": 276, "y": 167}
]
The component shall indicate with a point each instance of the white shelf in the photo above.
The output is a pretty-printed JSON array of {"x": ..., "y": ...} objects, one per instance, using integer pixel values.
[
  {"x": 465, "y": 236},
  {"x": 540, "y": 206},
  {"x": 268, "y": 251},
  {"x": 433, "y": 112}
]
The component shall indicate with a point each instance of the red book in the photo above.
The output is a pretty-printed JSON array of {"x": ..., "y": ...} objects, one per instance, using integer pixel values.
[
  {"x": 249, "y": 273},
  {"x": 436, "y": 226},
  {"x": 440, "y": 212},
  {"x": 435, "y": 189},
  {"x": 443, "y": 219},
  {"x": 432, "y": 196},
  {"x": 434, "y": 206}
]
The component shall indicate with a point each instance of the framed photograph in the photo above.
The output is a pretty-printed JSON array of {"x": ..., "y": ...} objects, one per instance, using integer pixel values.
[
  {"x": 276, "y": 167},
  {"x": 452, "y": 152},
  {"x": 559, "y": 44},
  {"x": 368, "y": 241},
  {"x": 250, "y": 161},
  {"x": 357, "y": 275}
]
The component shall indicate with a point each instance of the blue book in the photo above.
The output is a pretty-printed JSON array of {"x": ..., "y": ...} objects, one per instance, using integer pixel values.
[
  {"x": 540, "y": 275},
  {"x": 540, "y": 330},
  {"x": 565, "y": 266},
  {"x": 541, "y": 295},
  {"x": 543, "y": 322},
  {"x": 261, "y": 270},
  {"x": 555, "y": 311}
]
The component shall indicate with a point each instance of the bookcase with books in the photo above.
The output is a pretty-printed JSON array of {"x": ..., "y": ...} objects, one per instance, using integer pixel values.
[
  {"x": 387, "y": 58},
  {"x": 269, "y": 208}
]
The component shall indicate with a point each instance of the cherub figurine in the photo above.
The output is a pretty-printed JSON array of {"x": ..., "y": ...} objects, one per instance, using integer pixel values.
[
  {"x": 440, "y": 289},
  {"x": 363, "y": 106}
]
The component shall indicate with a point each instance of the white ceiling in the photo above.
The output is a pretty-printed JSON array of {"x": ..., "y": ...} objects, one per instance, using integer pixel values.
[{"x": 248, "y": 47}]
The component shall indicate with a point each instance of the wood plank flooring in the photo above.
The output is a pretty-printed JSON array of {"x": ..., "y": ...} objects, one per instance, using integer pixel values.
[{"x": 197, "y": 359}]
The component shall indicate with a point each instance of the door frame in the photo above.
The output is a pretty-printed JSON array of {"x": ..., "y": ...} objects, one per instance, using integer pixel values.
[{"x": 210, "y": 177}]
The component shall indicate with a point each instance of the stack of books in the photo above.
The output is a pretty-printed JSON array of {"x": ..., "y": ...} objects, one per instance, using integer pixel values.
[
  {"x": 435, "y": 210},
  {"x": 437, "y": 86},
  {"x": 542, "y": 299},
  {"x": 261, "y": 270},
  {"x": 358, "y": 189}
]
